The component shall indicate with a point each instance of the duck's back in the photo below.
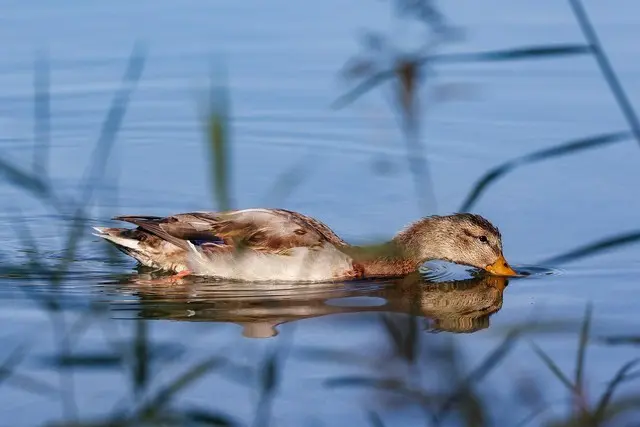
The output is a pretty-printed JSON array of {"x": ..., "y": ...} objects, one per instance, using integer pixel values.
[{"x": 281, "y": 244}]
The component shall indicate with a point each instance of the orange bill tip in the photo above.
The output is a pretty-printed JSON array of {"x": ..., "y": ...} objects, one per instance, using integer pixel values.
[{"x": 501, "y": 268}]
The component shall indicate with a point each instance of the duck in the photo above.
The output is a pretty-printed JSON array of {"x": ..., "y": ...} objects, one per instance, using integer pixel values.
[{"x": 270, "y": 244}]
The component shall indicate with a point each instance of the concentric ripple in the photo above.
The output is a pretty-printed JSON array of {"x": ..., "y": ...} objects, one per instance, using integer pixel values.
[{"x": 440, "y": 271}]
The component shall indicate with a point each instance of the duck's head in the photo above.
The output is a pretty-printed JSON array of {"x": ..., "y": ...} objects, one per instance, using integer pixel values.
[{"x": 461, "y": 238}]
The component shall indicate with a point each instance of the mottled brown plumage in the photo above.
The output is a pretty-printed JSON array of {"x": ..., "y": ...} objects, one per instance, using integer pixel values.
[{"x": 277, "y": 244}]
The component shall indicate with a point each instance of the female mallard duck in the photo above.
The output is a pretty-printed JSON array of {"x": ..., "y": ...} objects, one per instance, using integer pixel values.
[{"x": 280, "y": 245}]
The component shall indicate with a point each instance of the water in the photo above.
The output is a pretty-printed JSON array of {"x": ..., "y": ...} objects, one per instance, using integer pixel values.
[{"x": 281, "y": 63}]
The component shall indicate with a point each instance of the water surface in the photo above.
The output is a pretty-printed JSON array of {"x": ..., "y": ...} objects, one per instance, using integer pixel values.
[{"x": 87, "y": 335}]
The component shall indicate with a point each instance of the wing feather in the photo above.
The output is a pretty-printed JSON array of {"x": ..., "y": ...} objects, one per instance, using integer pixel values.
[{"x": 267, "y": 230}]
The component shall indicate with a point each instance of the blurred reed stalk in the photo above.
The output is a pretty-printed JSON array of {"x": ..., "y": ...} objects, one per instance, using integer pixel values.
[
  {"x": 217, "y": 128},
  {"x": 608, "y": 72}
]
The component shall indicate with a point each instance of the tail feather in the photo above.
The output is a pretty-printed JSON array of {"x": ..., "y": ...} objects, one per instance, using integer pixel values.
[
  {"x": 145, "y": 247},
  {"x": 115, "y": 236}
]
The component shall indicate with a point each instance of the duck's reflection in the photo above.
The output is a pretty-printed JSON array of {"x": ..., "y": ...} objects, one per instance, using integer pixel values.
[{"x": 461, "y": 306}]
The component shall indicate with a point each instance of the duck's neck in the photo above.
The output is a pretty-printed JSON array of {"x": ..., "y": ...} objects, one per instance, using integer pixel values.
[
  {"x": 386, "y": 260},
  {"x": 406, "y": 251},
  {"x": 427, "y": 239}
]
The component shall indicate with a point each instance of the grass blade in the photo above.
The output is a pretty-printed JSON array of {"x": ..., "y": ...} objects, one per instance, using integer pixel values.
[
  {"x": 358, "y": 381},
  {"x": 164, "y": 396},
  {"x": 33, "y": 385},
  {"x": 374, "y": 419},
  {"x": 205, "y": 417},
  {"x": 611, "y": 388},
  {"x": 403, "y": 332},
  {"x": 554, "y": 368},
  {"x": 361, "y": 89},
  {"x": 510, "y": 54},
  {"x": 268, "y": 384},
  {"x": 24, "y": 180},
  {"x": 617, "y": 408},
  {"x": 518, "y": 53},
  {"x": 492, "y": 360},
  {"x": 533, "y": 415},
  {"x": 8, "y": 373},
  {"x": 288, "y": 181},
  {"x": 606, "y": 68},
  {"x": 10, "y": 363},
  {"x": 594, "y": 248},
  {"x": 141, "y": 359},
  {"x": 219, "y": 144},
  {"x": 388, "y": 384},
  {"x": 567, "y": 148},
  {"x": 621, "y": 339},
  {"x": 101, "y": 152},
  {"x": 112, "y": 123},
  {"x": 270, "y": 374},
  {"x": 582, "y": 348},
  {"x": 42, "y": 115}
]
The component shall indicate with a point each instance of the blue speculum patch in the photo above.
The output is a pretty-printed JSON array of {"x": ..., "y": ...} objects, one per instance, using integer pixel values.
[{"x": 199, "y": 242}]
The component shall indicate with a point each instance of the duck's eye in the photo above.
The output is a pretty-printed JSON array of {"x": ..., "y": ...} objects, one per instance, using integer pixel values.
[
  {"x": 483, "y": 239},
  {"x": 300, "y": 232}
]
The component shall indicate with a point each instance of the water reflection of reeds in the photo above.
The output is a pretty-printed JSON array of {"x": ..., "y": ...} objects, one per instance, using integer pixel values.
[{"x": 411, "y": 306}]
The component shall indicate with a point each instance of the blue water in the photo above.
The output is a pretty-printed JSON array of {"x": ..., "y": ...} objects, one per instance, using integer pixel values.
[{"x": 282, "y": 62}]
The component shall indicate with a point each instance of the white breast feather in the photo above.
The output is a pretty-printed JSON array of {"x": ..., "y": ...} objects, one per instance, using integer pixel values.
[{"x": 300, "y": 264}]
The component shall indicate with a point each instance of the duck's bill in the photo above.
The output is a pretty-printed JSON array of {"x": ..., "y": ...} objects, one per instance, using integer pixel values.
[{"x": 501, "y": 268}]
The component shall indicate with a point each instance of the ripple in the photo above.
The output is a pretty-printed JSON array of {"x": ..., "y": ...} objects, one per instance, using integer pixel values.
[
  {"x": 441, "y": 271},
  {"x": 535, "y": 271}
]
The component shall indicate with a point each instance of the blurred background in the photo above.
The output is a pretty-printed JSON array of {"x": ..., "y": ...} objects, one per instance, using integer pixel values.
[{"x": 367, "y": 115}]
